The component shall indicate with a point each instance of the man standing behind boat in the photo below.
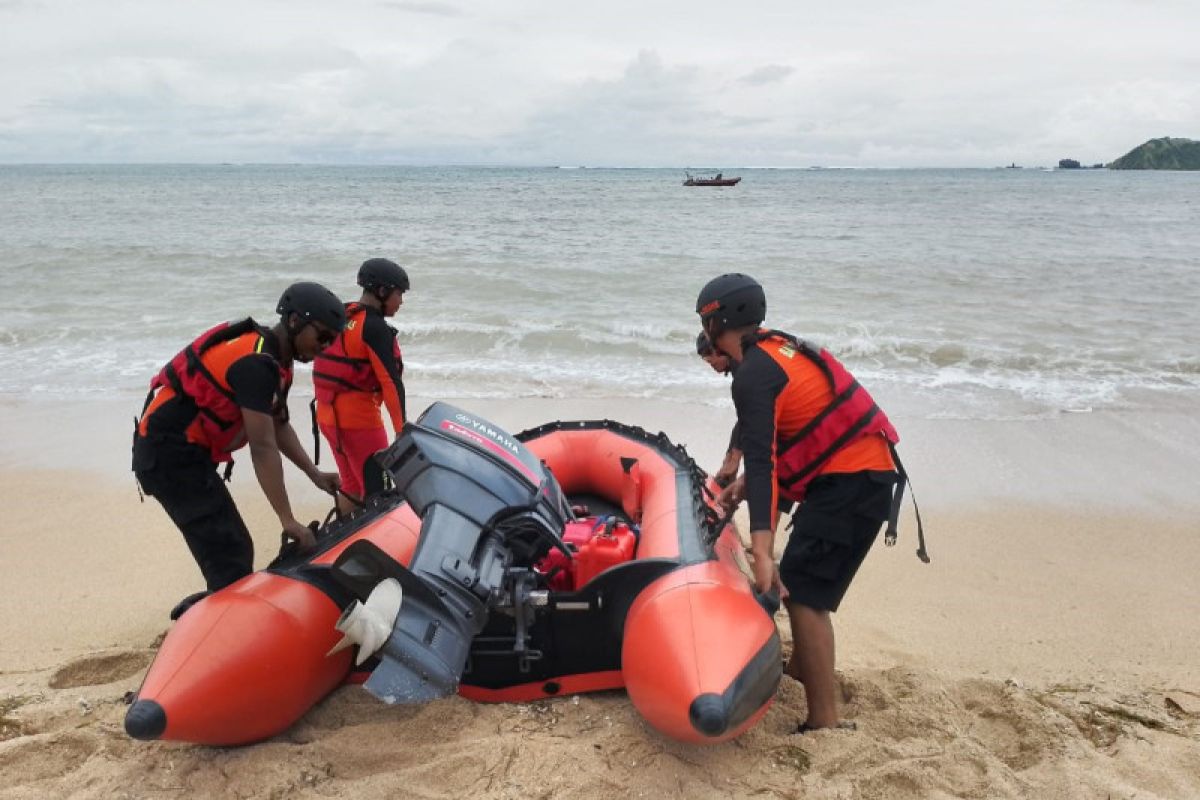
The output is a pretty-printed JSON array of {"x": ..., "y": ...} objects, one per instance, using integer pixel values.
[
  {"x": 225, "y": 390},
  {"x": 722, "y": 365},
  {"x": 810, "y": 434},
  {"x": 360, "y": 372}
]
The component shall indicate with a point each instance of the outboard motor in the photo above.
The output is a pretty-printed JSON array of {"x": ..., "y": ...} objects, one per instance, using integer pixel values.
[{"x": 489, "y": 508}]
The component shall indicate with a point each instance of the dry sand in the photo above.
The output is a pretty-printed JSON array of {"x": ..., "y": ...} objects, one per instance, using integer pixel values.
[{"x": 1050, "y": 650}]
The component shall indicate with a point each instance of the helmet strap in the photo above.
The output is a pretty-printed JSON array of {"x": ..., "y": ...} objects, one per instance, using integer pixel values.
[
  {"x": 376, "y": 293},
  {"x": 286, "y": 336},
  {"x": 294, "y": 330}
]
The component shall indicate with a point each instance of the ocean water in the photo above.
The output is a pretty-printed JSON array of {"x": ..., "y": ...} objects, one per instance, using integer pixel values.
[{"x": 957, "y": 293}]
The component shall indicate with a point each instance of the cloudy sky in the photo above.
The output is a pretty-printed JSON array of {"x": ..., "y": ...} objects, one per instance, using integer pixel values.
[{"x": 619, "y": 82}]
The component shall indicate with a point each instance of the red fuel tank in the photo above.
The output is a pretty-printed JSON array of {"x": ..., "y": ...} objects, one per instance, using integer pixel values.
[{"x": 611, "y": 545}]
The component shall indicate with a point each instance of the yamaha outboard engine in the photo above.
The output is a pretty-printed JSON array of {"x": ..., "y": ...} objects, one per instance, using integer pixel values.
[{"x": 487, "y": 506}]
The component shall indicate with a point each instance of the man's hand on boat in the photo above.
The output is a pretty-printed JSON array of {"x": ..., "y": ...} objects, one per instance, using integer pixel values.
[
  {"x": 328, "y": 482},
  {"x": 729, "y": 468},
  {"x": 762, "y": 562},
  {"x": 733, "y": 495},
  {"x": 302, "y": 534}
]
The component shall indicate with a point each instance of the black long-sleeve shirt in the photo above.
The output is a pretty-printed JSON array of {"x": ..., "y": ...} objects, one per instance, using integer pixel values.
[
  {"x": 757, "y": 384},
  {"x": 386, "y": 362}
]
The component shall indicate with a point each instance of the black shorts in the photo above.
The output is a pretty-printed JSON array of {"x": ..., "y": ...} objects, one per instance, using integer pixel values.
[
  {"x": 185, "y": 482},
  {"x": 831, "y": 532}
]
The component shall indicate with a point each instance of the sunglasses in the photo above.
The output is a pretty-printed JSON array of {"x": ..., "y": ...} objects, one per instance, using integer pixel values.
[{"x": 325, "y": 337}]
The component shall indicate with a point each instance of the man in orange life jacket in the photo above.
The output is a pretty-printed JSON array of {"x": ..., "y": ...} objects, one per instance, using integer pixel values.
[
  {"x": 362, "y": 370},
  {"x": 227, "y": 389},
  {"x": 722, "y": 365},
  {"x": 809, "y": 434}
]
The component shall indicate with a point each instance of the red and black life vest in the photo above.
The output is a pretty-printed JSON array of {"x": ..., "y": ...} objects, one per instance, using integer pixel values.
[
  {"x": 344, "y": 366},
  {"x": 851, "y": 415},
  {"x": 199, "y": 373}
]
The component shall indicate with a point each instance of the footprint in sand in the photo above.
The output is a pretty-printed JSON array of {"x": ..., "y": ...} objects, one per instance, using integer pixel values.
[
  {"x": 44, "y": 756},
  {"x": 1009, "y": 723},
  {"x": 97, "y": 670}
]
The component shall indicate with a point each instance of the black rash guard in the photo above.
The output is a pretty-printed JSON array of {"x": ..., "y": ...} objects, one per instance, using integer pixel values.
[
  {"x": 254, "y": 380},
  {"x": 735, "y": 436},
  {"x": 756, "y": 386},
  {"x": 380, "y": 338}
]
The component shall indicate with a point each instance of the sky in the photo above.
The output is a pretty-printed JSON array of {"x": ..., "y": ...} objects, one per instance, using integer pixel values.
[{"x": 633, "y": 83}]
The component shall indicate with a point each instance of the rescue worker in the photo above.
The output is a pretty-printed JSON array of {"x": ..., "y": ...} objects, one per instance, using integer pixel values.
[
  {"x": 812, "y": 435},
  {"x": 721, "y": 365},
  {"x": 227, "y": 389},
  {"x": 361, "y": 371}
]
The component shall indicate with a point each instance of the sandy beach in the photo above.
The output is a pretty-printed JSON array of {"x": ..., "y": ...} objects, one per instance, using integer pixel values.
[{"x": 1049, "y": 650}]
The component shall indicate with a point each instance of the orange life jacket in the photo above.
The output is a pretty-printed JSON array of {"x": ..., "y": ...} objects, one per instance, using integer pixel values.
[
  {"x": 851, "y": 415},
  {"x": 199, "y": 372},
  {"x": 345, "y": 366}
]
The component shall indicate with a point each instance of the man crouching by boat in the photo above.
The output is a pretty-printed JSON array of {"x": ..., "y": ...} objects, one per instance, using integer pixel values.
[
  {"x": 227, "y": 389},
  {"x": 806, "y": 437}
]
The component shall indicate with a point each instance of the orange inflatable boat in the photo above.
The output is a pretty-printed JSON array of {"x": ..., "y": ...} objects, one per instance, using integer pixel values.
[{"x": 574, "y": 557}]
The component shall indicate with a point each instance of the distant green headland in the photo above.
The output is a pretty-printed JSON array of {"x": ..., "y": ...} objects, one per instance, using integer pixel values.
[{"x": 1164, "y": 153}]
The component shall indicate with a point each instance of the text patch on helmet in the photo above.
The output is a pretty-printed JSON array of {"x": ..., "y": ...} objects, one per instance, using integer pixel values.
[{"x": 713, "y": 306}]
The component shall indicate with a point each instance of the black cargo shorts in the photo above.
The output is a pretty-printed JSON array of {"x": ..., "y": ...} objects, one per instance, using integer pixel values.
[{"x": 831, "y": 532}]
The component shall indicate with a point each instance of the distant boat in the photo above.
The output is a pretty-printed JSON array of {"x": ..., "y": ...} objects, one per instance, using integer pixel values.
[
  {"x": 717, "y": 180},
  {"x": 1013, "y": 166}
]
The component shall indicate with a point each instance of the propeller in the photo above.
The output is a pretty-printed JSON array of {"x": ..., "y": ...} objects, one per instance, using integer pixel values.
[{"x": 369, "y": 624}]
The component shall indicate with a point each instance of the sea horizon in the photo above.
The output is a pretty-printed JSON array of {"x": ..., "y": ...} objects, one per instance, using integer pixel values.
[{"x": 1087, "y": 167}]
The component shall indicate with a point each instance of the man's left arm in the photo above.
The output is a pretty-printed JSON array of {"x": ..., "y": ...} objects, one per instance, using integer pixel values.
[
  {"x": 388, "y": 367},
  {"x": 733, "y": 459},
  {"x": 755, "y": 389}
]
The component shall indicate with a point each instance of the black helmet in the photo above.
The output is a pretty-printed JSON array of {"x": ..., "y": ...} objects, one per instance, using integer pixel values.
[
  {"x": 381, "y": 273},
  {"x": 313, "y": 303},
  {"x": 733, "y": 300},
  {"x": 704, "y": 345}
]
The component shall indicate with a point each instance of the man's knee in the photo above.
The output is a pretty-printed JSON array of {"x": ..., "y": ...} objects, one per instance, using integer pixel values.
[
  {"x": 221, "y": 545},
  {"x": 224, "y": 554},
  {"x": 807, "y": 612}
]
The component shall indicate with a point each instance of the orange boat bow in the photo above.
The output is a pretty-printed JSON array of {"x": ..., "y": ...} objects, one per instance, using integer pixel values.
[{"x": 701, "y": 660}]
